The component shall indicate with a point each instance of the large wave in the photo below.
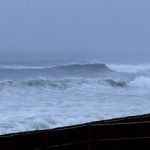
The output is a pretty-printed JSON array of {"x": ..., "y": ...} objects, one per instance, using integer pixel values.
[
  {"x": 76, "y": 66},
  {"x": 139, "y": 82},
  {"x": 71, "y": 75},
  {"x": 72, "y": 70},
  {"x": 64, "y": 83},
  {"x": 40, "y": 100}
]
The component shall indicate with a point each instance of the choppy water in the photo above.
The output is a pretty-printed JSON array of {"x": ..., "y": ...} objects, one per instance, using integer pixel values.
[{"x": 39, "y": 97}]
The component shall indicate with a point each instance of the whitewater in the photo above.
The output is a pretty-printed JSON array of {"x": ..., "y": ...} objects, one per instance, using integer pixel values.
[{"x": 43, "y": 97}]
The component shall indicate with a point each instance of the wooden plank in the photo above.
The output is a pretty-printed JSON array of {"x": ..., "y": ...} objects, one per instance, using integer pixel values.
[
  {"x": 120, "y": 130},
  {"x": 37, "y": 140},
  {"x": 122, "y": 144},
  {"x": 138, "y": 118}
]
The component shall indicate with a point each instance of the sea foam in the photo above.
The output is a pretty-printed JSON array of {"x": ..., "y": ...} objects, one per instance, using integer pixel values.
[{"x": 35, "y": 98}]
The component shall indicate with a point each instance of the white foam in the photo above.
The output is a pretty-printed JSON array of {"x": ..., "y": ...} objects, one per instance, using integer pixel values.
[
  {"x": 129, "y": 68},
  {"x": 141, "y": 82},
  {"x": 38, "y": 104},
  {"x": 33, "y": 108}
]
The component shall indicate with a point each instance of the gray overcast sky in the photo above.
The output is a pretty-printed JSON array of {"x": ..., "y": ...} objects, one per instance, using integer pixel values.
[{"x": 111, "y": 30}]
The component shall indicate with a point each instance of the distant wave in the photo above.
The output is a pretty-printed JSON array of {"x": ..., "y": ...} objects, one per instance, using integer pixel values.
[
  {"x": 69, "y": 66},
  {"x": 62, "y": 71},
  {"x": 20, "y": 67},
  {"x": 84, "y": 66},
  {"x": 55, "y": 76},
  {"x": 94, "y": 66}
]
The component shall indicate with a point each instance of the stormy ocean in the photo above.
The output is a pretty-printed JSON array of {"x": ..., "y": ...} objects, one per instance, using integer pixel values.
[{"x": 44, "y": 96}]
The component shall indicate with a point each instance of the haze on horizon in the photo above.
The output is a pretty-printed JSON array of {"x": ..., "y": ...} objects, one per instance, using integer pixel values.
[{"x": 111, "y": 31}]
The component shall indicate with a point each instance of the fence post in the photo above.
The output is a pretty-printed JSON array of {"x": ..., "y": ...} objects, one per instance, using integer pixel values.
[
  {"x": 89, "y": 138},
  {"x": 46, "y": 140}
]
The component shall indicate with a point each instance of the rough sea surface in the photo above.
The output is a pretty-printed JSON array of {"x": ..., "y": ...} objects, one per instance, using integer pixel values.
[{"x": 34, "y": 97}]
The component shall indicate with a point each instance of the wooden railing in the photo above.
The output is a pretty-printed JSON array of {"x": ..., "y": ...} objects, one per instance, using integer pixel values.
[{"x": 117, "y": 134}]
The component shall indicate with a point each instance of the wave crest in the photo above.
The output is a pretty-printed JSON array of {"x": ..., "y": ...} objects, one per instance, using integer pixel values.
[
  {"x": 114, "y": 83},
  {"x": 64, "y": 83},
  {"x": 95, "y": 66},
  {"x": 141, "y": 82},
  {"x": 63, "y": 71}
]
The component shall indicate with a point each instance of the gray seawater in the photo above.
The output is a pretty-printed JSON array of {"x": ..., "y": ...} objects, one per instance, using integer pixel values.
[{"x": 39, "y": 96}]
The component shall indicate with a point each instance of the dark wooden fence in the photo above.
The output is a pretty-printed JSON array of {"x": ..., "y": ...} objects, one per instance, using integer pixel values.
[{"x": 117, "y": 134}]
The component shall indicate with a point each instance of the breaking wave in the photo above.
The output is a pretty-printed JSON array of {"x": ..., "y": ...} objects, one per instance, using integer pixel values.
[
  {"x": 129, "y": 68},
  {"x": 72, "y": 70},
  {"x": 71, "y": 75},
  {"x": 63, "y": 83},
  {"x": 141, "y": 82},
  {"x": 114, "y": 83},
  {"x": 35, "y": 98},
  {"x": 95, "y": 66}
]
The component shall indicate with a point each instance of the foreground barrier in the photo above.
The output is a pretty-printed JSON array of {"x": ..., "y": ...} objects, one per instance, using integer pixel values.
[{"x": 116, "y": 134}]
